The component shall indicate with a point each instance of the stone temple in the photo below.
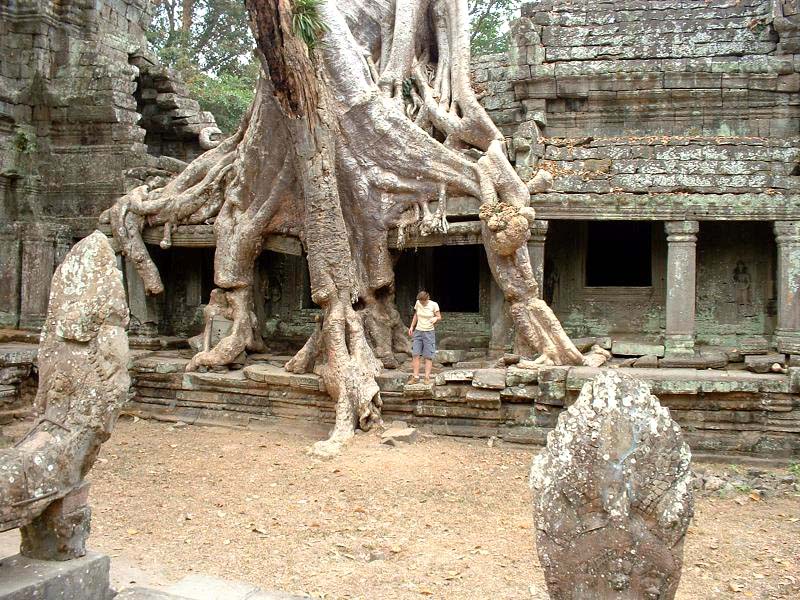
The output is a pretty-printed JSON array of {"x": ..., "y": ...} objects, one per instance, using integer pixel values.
[{"x": 670, "y": 236}]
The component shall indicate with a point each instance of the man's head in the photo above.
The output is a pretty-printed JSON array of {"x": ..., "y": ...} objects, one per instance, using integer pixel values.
[{"x": 423, "y": 296}]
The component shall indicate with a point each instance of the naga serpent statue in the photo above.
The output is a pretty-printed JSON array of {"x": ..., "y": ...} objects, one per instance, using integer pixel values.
[
  {"x": 83, "y": 384},
  {"x": 370, "y": 130},
  {"x": 613, "y": 496}
]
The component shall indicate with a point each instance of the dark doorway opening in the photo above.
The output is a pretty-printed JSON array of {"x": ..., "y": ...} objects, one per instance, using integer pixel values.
[
  {"x": 455, "y": 282},
  {"x": 619, "y": 254},
  {"x": 451, "y": 274}
]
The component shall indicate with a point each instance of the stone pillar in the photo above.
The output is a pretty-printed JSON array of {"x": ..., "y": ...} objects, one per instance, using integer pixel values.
[
  {"x": 536, "y": 252},
  {"x": 681, "y": 275},
  {"x": 144, "y": 317},
  {"x": 38, "y": 265},
  {"x": 502, "y": 327},
  {"x": 787, "y": 333},
  {"x": 10, "y": 270}
]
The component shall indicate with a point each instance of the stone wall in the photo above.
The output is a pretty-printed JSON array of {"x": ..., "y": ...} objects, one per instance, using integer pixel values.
[
  {"x": 650, "y": 97},
  {"x": 75, "y": 83},
  {"x": 671, "y": 111}
]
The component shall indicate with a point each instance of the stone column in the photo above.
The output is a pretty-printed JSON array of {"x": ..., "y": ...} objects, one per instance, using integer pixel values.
[
  {"x": 10, "y": 269},
  {"x": 144, "y": 317},
  {"x": 536, "y": 252},
  {"x": 502, "y": 327},
  {"x": 787, "y": 333},
  {"x": 681, "y": 275},
  {"x": 38, "y": 265}
]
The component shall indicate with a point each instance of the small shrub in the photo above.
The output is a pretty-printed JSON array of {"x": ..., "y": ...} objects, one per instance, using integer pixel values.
[{"x": 307, "y": 22}]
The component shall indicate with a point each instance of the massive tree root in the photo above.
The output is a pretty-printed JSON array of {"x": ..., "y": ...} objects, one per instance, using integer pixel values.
[{"x": 342, "y": 144}]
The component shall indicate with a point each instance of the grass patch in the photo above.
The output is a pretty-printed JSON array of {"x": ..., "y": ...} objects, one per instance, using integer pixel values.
[{"x": 307, "y": 23}]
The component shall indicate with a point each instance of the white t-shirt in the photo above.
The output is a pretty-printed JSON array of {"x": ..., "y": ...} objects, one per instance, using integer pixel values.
[{"x": 425, "y": 315}]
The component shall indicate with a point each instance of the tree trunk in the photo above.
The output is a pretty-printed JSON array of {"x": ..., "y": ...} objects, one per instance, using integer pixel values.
[{"x": 350, "y": 367}]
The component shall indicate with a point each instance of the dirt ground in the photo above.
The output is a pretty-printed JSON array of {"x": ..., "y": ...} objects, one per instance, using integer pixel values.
[{"x": 441, "y": 518}]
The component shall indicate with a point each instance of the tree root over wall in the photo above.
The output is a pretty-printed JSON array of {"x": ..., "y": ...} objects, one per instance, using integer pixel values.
[{"x": 343, "y": 143}]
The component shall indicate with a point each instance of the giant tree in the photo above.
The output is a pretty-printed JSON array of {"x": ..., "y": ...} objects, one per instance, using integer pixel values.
[{"x": 370, "y": 129}]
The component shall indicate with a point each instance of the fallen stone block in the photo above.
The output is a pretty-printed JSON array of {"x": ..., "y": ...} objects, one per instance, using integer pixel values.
[
  {"x": 696, "y": 360},
  {"x": 399, "y": 435},
  {"x": 623, "y": 348},
  {"x": 762, "y": 363},
  {"x": 648, "y": 361},
  {"x": 492, "y": 379}
]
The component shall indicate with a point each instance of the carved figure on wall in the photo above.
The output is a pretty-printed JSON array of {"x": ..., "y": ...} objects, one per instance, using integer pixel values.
[
  {"x": 612, "y": 496},
  {"x": 83, "y": 384},
  {"x": 342, "y": 143},
  {"x": 742, "y": 291}
]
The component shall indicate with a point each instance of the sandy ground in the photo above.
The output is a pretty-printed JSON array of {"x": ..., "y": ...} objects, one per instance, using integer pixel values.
[{"x": 441, "y": 518}]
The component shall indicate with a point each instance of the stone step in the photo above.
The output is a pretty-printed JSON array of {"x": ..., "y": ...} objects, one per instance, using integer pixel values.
[
  {"x": 140, "y": 593},
  {"x": 204, "y": 587},
  {"x": 23, "y": 578}
]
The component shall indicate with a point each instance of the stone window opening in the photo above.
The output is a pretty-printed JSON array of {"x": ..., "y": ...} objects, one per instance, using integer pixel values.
[{"x": 619, "y": 254}]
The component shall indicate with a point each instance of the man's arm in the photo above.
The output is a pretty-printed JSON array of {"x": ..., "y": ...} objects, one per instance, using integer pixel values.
[
  {"x": 413, "y": 324},
  {"x": 437, "y": 316}
]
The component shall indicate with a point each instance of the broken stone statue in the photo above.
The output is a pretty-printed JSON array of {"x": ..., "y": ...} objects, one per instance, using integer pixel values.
[
  {"x": 83, "y": 383},
  {"x": 612, "y": 496}
]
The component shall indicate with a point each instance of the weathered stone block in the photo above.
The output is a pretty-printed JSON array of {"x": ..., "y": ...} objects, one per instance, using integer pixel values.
[
  {"x": 392, "y": 381},
  {"x": 483, "y": 396},
  {"x": 279, "y": 376},
  {"x": 448, "y": 357},
  {"x": 493, "y": 379},
  {"x": 418, "y": 390},
  {"x": 794, "y": 380},
  {"x": 624, "y": 348},
  {"x": 649, "y": 361},
  {"x": 521, "y": 393},
  {"x": 454, "y": 375},
  {"x": 553, "y": 384},
  {"x": 86, "y": 578},
  {"x": 520, "y": 376},
  {"x": 396, "y": 435},
  {"x": 762, "y": 363},
  {"x": 754, "y": 345}
]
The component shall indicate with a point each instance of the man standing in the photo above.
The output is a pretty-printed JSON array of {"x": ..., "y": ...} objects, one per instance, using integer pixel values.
[{"x": 423, "y": 335}]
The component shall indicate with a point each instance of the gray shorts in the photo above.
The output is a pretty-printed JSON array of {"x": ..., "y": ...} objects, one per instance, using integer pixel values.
[{"x": 423, "y": 343}]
